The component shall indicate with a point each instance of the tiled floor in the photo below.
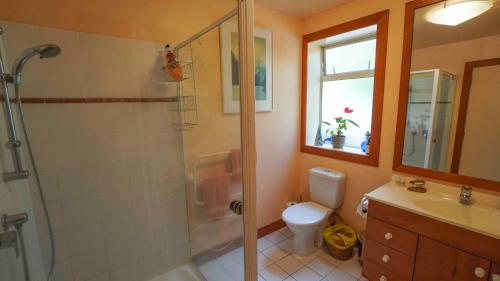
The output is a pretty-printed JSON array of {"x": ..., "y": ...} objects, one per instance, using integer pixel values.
[{"x": 277, "y": 263}]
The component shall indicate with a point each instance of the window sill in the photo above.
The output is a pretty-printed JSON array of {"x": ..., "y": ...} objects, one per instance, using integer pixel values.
[{"x": 345, "y": 149}]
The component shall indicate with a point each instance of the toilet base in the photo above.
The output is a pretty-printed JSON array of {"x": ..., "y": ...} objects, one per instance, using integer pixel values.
[{"x": 304, "y": 244}]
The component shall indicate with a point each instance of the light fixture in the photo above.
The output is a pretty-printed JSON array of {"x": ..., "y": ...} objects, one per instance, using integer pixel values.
[{"x": 456, "y": 12}]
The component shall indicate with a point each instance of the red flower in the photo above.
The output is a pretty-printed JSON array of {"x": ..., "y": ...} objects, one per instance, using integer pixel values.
[{"x": 347, "y": 110}]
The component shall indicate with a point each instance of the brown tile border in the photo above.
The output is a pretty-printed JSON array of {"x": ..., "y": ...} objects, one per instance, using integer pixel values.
[{"x": 95, "y": 100}]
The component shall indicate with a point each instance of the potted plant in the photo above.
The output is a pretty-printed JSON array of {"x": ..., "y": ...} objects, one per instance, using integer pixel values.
[{"x": 337, "y": 133}]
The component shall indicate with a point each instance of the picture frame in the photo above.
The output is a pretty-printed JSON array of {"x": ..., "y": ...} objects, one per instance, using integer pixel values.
[{"x": 230, "y": 74}]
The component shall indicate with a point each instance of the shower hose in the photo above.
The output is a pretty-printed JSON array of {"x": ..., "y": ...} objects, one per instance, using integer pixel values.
[{"x": 38, "y": 183}]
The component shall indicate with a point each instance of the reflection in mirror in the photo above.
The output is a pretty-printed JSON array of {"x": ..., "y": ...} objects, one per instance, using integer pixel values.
[{"x": 454, "y": 92}]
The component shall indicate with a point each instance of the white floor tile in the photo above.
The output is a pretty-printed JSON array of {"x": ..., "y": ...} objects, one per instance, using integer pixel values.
[
  {"x": 274, "y": 253},
  {"x": 221, "y": 276},
  {"x": 260, "y": 278},
  {"x": 290, "y": 264},
  {"x": 275, "y": 237},
  {"x": 306, "y": 274},
  {"x": 211, "y": 268},
  {"x": 229, "y": 259},
  {"x": 263, "y": 244},
  {"x": 237, "y": 272},
  {"x": 340, "y": 275},
  {"x": 273, "y": 273},
  {"x": 305, "y": 259},
  {"x": 326, "y": 256},
  {"x": 286, "y": 231},
  {"x": 321, "y": 266},
  {"x": 263, "y": 261},
  {"x": 352, "y": 267},
  {"x": 286, "y": 245},
  {"x": 289, "y": 278}
]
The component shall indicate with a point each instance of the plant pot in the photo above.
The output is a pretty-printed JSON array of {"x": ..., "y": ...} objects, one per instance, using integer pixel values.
[{"x": 338, "y": 141}]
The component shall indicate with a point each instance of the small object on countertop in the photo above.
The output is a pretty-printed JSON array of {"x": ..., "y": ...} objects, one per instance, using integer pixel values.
[{"x": 173, "y": 67}]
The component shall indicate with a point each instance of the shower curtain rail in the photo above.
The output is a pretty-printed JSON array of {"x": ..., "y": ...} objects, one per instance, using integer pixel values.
[{"x": 206, "y": 29}]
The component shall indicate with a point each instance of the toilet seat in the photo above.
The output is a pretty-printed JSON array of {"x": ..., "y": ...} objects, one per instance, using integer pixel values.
[{"x": 304, "y": 214}]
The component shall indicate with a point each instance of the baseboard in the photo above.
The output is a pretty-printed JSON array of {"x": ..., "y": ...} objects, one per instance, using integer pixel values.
[{"x": 270, "y": 228}]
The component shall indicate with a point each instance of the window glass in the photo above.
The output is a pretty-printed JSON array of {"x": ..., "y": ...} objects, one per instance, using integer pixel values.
[
  {"x": 357, "y": 96},
  {"x": 350, "y": 57}
]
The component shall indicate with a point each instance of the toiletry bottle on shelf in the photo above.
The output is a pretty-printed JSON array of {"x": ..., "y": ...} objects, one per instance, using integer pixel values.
[
  {"x": 173, "y": 67},
  {"x": 365, "y": 145}
]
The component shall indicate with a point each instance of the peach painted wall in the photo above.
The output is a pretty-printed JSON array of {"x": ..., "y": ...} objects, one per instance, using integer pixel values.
[
  {"x": 277, "y": 132},
  {"x": 360, "y": 178}
]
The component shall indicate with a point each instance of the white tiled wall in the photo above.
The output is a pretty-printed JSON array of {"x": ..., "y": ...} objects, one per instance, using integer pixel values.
[{"x": 112, "y": 172}]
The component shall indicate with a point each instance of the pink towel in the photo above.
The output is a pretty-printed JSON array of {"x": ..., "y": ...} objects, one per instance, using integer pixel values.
[
  {"x": 236, "y": 164},
  {"x": 215, "y": 194}
]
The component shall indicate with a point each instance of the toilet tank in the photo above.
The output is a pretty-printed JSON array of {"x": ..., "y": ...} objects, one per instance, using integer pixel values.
[{"x": 327, "y": 187}]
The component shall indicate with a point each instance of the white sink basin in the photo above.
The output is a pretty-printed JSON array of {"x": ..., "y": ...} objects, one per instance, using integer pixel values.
[
  {"x": 473, "y": 214},
  {"x": 440, "y": 202}
]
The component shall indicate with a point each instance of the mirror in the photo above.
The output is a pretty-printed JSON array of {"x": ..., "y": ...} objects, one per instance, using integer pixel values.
[{"x": 450, "y": 94}]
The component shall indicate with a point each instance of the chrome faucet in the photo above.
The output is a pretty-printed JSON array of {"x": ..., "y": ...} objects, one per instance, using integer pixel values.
[
  {"x": 465, "y": 195},
  {"x": 417, "y": 186}
]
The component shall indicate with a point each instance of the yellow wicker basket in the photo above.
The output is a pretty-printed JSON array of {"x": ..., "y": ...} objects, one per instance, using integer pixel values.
[{"x": 340, "y": 239}]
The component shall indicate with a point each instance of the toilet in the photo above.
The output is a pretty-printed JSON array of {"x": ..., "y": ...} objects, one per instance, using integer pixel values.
[{"x": 306, "y": 220}]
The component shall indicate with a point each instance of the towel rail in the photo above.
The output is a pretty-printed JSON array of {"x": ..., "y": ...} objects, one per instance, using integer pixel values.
[{"x": 195, "y": 165}]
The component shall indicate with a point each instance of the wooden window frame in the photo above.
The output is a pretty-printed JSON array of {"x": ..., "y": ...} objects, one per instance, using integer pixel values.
[
  {"x": 380, "y": 19},
  {"x": 402, "y": 111}
]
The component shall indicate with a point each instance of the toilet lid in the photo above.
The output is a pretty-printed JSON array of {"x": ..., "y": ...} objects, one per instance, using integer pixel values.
[{"x": 305, "y": 213}]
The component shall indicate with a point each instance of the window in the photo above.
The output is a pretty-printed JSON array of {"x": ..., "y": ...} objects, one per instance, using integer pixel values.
[{"x": 343, "y": 76}]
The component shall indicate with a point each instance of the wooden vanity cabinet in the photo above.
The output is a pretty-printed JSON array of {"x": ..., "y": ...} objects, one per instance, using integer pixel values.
[
  {"x": 495, "y": 272},
  {"x": 438, "y": 262},
  {"x": 404, "y": 246}
]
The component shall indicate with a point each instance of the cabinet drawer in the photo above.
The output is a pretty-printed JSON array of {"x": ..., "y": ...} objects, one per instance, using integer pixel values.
[
  {"x": 392, "y": 236},
  {"x": 389, "y": 259},
  {"x": 375, "y": 272}
]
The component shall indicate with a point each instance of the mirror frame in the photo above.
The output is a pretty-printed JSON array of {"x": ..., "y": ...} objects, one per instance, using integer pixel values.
[
  {"x": 381, "y": 19},
  {"x": 402, "y": 111}
]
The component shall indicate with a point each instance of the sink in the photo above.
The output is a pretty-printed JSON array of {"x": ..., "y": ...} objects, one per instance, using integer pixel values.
[
  {"x": 474, "y": 214},
  {"x": 441, "y": 203}
]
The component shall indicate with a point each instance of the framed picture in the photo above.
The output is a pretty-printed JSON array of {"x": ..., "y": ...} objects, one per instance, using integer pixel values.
[{"x": 230, "y": 67}]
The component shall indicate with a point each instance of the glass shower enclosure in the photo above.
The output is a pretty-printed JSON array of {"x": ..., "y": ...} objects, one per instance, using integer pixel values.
[
  {"x": 140, "y": 172},
  {"x": 430, "y": 107}
]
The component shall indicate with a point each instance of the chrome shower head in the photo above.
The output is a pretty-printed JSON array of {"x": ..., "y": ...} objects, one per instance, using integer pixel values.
[{"x": 45, "y": 51}]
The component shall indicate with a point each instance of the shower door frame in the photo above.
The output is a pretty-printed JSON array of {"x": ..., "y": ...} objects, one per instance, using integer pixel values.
[{"x": 248, "y": 149}]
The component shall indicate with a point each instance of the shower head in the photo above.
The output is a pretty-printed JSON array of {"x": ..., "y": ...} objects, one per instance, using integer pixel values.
[{"x": 45, "y": 51}]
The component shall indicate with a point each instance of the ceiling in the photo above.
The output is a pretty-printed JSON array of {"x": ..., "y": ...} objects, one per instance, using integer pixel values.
[
  {"x": 428, "y": 34},
  {"x": 301, "y": 8}
]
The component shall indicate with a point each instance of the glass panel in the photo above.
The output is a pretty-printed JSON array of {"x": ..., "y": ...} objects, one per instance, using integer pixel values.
[
  {"x": 342, "y": 59},
  {"x": 356, "y": 95},
  {"x": 137, "y": 161}
]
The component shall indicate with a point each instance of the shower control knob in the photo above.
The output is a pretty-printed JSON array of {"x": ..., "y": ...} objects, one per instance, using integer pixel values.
[
  {"x": 388, "y": 236},
  {"x": 479, "y": 272},
  {"x": 236, "y": 206},
  {"x": 386, "y": 258},
  {"x": 383, "y": 278}
]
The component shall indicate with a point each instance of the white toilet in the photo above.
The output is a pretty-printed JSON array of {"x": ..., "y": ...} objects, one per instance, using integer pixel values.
[{"x": 307, "y": 220}]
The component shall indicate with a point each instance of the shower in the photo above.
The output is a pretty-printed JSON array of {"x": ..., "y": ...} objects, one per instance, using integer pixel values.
[{"x": 44, "y": 51}]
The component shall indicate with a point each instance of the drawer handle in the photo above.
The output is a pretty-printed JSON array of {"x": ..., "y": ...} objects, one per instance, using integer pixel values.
[
  {"x": 388, "y": 236},
  {"x": 386, "y": 258},
  {"x": 495, "y": 277},
  {"x": 383, "y": 278},
  {"x": 479, "y": 272}
]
